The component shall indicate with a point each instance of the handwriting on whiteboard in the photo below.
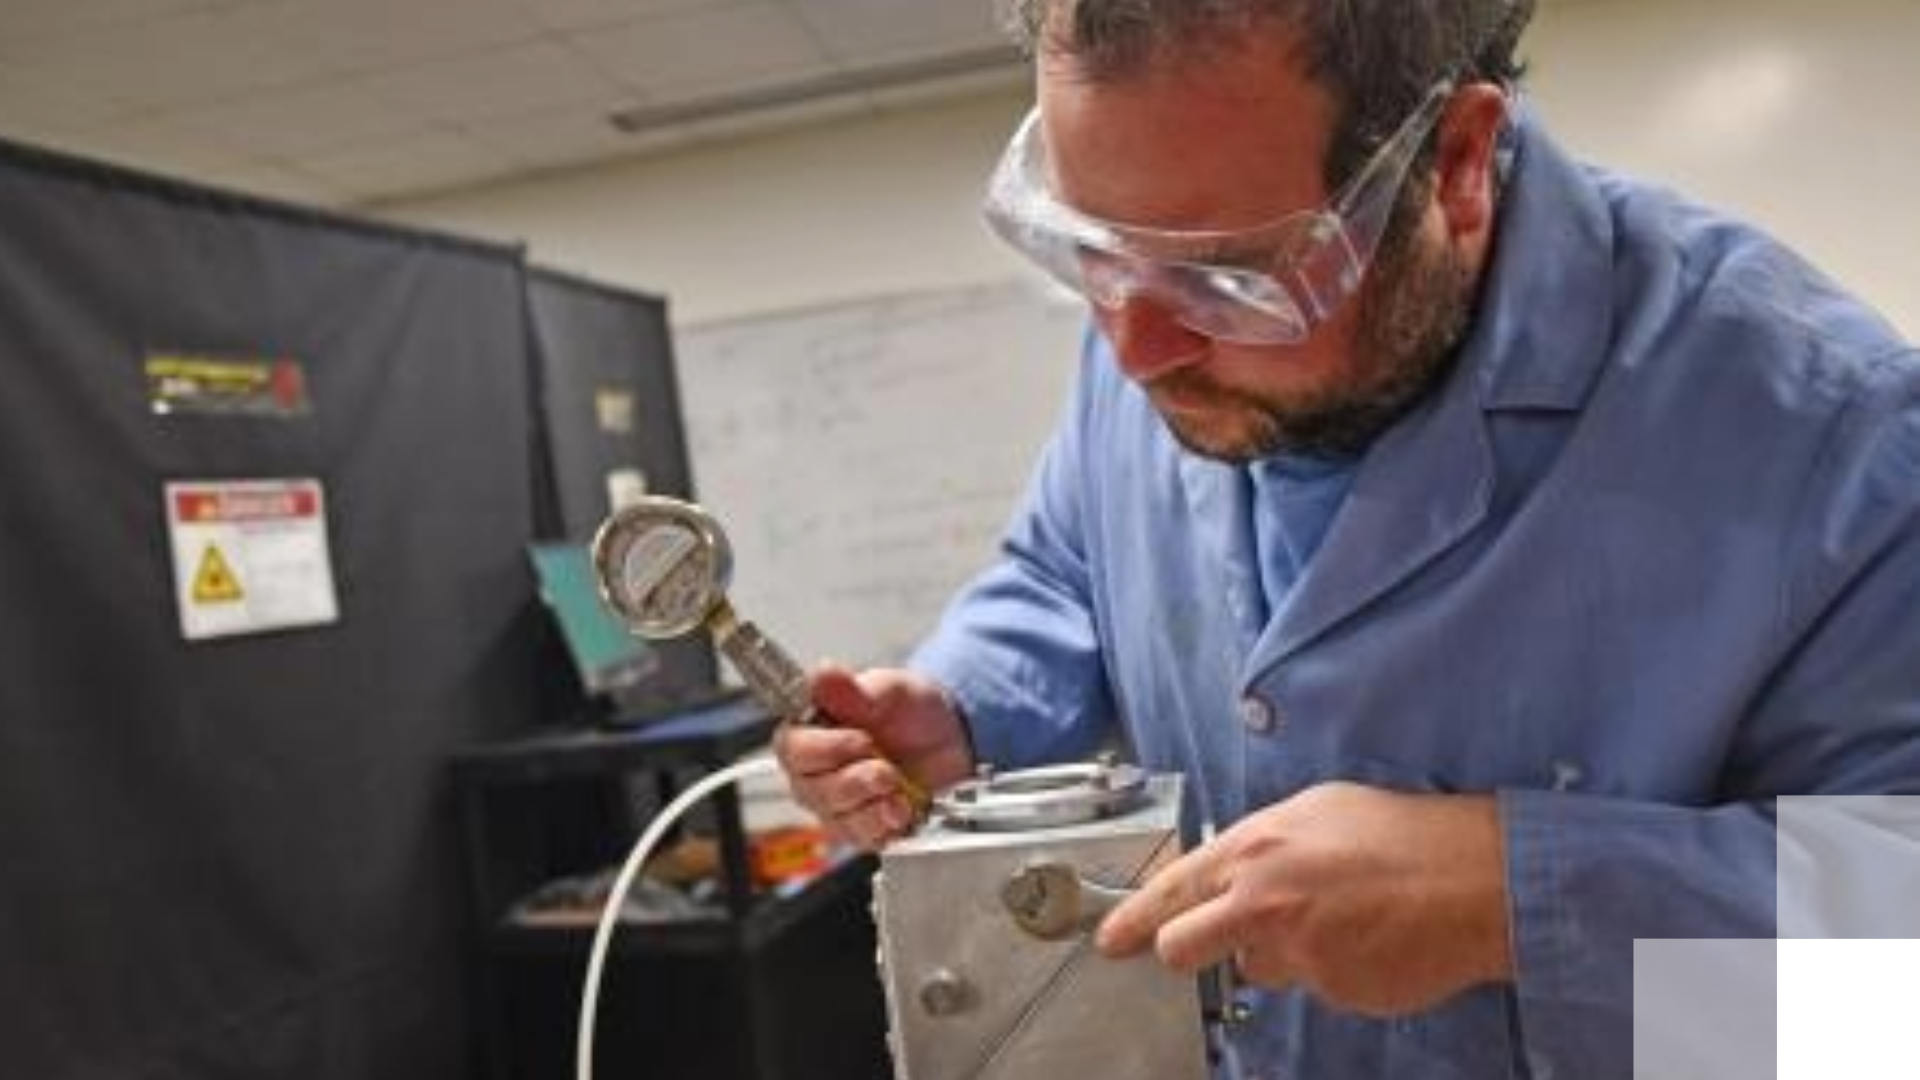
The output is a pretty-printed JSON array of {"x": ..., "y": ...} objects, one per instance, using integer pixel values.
[{"x": 864, "y": 457}]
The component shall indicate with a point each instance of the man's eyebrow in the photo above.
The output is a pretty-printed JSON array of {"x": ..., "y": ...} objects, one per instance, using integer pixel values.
[
  {"x": 1199, "y": 247},
  {"x": 1226, "y": 251}
]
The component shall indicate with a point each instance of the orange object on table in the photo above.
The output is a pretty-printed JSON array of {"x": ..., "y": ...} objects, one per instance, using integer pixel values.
[{"x": 788, "y": 853}]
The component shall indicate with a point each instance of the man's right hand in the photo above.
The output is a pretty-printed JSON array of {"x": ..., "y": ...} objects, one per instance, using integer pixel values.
[{"x": 877, "y": 724}]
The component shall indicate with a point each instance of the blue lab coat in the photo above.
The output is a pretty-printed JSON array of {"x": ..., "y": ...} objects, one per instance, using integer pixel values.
[{"x": 1649, "y": 560}]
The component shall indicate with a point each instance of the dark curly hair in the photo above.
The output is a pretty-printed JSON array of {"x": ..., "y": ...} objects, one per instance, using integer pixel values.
[{"x": 1376, "y": 58}]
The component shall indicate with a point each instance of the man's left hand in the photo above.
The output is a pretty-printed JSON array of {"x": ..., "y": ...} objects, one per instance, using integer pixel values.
[{"x": 1377, "y": 902}]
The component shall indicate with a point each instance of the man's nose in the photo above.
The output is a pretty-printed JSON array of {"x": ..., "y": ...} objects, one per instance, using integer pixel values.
[{"x": 1148, "y": 340}]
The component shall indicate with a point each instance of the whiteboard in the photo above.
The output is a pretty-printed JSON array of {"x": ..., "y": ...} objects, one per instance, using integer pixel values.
[{"x": 864, "y": 457}]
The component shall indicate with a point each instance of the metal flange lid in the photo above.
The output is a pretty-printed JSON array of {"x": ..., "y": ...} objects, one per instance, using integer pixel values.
[{"x": 1042, "y": 798}]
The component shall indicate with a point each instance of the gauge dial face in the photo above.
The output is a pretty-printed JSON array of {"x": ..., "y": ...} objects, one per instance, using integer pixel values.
[
  {"x": 666, "y": 575},
  {"x": 663, "y": 566}
]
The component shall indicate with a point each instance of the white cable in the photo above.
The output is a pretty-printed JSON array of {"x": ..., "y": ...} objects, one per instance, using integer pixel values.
[{"x": 617, "y": 896}]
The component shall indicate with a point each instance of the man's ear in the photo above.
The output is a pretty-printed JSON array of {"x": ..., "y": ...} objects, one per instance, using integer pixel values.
[{"x": 1464, "y": 169}]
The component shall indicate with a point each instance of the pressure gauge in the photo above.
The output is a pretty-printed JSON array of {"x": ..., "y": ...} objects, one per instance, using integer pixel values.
[{"x": 663, "y": 566}]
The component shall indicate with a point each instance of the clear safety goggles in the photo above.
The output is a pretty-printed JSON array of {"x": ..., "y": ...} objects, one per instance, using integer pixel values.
[{"x": 1266, "y": 285}]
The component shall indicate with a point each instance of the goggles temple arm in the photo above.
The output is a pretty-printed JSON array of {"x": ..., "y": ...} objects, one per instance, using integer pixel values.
[{"x": 1367, "y": 202}]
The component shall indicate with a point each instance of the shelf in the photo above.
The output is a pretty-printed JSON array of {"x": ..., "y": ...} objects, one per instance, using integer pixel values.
[
  {"x": 771, "y": 917},
  {"x": 713, "y": 735},
  {"x": 774, "y": 918},
  {"x": 629, "y": 939}
]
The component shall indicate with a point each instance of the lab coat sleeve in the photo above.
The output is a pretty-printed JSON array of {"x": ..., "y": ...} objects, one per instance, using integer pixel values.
[
  {"x": 1839, "y": 720},
  {"x": 1018, "y": 647}
]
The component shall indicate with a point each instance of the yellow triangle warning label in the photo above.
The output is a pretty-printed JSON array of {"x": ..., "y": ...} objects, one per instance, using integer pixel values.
[{"x": 214, "y": 582}]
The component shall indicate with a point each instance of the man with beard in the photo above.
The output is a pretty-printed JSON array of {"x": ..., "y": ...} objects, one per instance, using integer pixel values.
[{"x": 1487, "y": 539}]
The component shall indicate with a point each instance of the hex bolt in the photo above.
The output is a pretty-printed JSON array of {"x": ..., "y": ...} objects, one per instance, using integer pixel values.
[
  {"x": 944, "y": 993},
  {"x": 1050, "y": 900}
]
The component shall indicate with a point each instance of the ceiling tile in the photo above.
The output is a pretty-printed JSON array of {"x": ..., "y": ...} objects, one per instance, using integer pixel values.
[
  {"x": 272, "y": 181},
  {"x": 552, "y": 137},
  {"x": 499, "y": 82},
  {"x": 159, "y": 147},
  {"x": 23, "y": 21},
  {"x": 35, "y": 98},
  {"x": 415, "y": 164},
  {"x": 336, "y": 99},
  {"x": 301, "y": 122},
  {"x": 197, "y": 56},
  {"x": 876, "y": 30},
  {"x": 582, "y": 14},
  {"x": 383, "y": 35},
  {"x": 705, "y": 50}
]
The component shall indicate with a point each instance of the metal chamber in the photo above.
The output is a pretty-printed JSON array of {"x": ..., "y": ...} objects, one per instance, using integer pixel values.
[{"x": 984, "y": 921}]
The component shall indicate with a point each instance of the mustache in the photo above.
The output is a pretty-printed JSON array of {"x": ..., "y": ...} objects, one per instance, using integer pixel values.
[{"x": 1193, "y": 384}]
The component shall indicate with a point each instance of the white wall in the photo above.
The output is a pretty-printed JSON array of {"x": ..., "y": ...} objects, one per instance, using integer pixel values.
[
  {"x": 828, "y": 212},
  {"x": 1801, "y": 115}
]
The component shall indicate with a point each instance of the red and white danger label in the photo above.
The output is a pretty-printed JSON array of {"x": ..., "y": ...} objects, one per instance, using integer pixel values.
[{"x": 249, "y": 556}]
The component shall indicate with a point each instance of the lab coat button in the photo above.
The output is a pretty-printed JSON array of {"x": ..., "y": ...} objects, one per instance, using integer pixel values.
[{"x": 1259, "y": 715}]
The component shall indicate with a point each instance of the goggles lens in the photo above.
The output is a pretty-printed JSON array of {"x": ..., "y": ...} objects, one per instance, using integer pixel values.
[{"x": 1285, "y": 278}]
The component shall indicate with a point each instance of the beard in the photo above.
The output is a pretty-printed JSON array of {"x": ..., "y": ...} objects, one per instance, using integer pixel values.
[{"x": 1415, "y": 308}]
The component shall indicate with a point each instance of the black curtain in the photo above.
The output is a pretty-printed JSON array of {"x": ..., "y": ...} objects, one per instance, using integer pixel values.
[
  {"x": 238, "y": 857},
  {"x": 610, "y": 397},
  {"x": 609, "y": 403}
]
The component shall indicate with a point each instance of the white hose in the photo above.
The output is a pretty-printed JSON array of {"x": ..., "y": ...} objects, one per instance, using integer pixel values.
[{"x": 617, "y": 896}]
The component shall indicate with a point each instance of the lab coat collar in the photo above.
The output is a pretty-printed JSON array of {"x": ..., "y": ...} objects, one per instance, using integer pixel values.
[
  {"x": 1540, "y": 336},
  {"x": 1538, "y": 343},
  {"x": 1421, "y": 488}
]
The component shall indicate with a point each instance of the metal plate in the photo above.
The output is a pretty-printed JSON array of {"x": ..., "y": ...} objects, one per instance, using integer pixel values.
[{"x": 1042, "y": 798}]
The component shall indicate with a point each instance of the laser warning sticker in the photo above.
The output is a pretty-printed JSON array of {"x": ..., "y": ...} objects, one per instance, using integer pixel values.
[
  {"x": 214, "y": 583},
  {"x": 249, "y": 556},
  {"x": 187, "y": 383}
]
